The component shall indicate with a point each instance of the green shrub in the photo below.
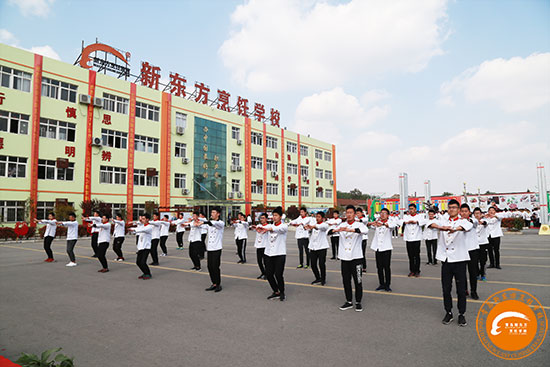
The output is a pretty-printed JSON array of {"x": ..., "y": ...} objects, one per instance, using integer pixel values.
[{"x": 32, "y": 360}]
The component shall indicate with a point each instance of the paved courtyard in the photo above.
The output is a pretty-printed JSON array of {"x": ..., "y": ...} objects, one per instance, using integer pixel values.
[{"x": 114, "y": 319}]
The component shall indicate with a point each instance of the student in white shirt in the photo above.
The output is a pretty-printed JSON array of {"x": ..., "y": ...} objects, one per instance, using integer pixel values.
[
  {"x": 351, "y": 257},
  {"x": 318, "y": 245},
  {"x": 494, "y": 221},
  {"x": 103, "y": 239},
  {"x": 214, "y": 249},
  {"x": 155, "y": 238},
  {"x": 483, "y": 241},
  {"x": 275, "y": 254},
  {"x": 143, "y": 232},
  {"x": 72, "y": 237},
  {"x": 333, "y": 223},
  {"x": 473, "y": 251},
  {"x": 365, "y": 239},
  {"x": 118, "y": 234},
  {"x": 430, "y": 237},
  {"x": 164, "y": 232},
  {"x": 452, "y": 251},
  {"x": 241, "y": 236},
  {"x": 262, "y": 239},
  {"x": 49, "y": 235},
  {"x": 382, "y": 246},
  {"x": 95, "y": 231},
  {"x": 412, "y": 234},
  {"x": 302, "y": 236},
  {"x": 180, "y": 230},
  {"x": 195, "y": 240}
]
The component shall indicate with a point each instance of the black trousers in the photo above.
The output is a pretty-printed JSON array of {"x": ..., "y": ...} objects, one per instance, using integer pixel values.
[
  {"x": 413, "y": 251},
  {"x": 383, "y": 262},
  {"x": 70, "y": 249},
  {"x": 194, "y": 253},
  {"x": 458, "y": 272},
  {"x": 335, "y": 240},
  {"x": 494, "y": 251},
  {"x": 101, "y": 252},
  {"x": 473, "y": 269},
  {"x": 527, "y": 222},
  {"x": 214, "y": 260},
  {"x": 179, "y": 238},
  {"x": 203, "y": 245},
  {"x": 48, "y": 246},
  {"x": 163, "y": 244},
  {"x": 94, "y": 242},
  {"x": 141, "y": 261},
  {"x": 364, "y": 248},
  {"x": 274, "y": 269},
  {"x": 117, "y": 246},
  {"x": 483, "y": 258},
  {"x": 352, "y": 269},
  {"x": 241, "y": 249},
  {"x": 319, "y": 257},
  {"x": 154, "y": 250},
  {"x": 303, "y": 244},
  {"x": 431, "y": 248},
  {"x": 260, "y": 259}
]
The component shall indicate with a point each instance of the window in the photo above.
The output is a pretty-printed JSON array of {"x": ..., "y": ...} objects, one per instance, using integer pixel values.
[
  {"x": 328, "y": 193},
  {"x": 115, "y": 103},
  {"x": 271, "y": 165},
  {"x": 12, "y": 211},
  {"x": 318, "y": 193},
  {"x": 43, "y": 208},
  {"x": 271, "y": 142},
  {"x": 15, "y": 79},
  {"x": 117, "y": 208},
  {"x": 48, "y": 170},
  {"x": 256, "y": 138},
  {"x": 114, "y": 139},
  {"x": 328, "y": 175},
  {"x": 146, "y": 111},
  {"x": 60, "y": 130},
  {"x": 255, "y": 188},
  {"x": 146, "y": 144},
  {"x": 180, "y": 180},
  {"x": 304, "y": 150},
  {"x": 14, "y": 167},
  {"x": 181, "y": 120},
  {"x": 292, "y": 169},
  {"x": 304, "y": 171},
  {"x": 235, "y": 159},
  {"x": 235, "y": 133},
  {"x": 318, "y": 154},
  {"x": 328, "y": 156},
  {"x": 257, "y": 162},
  {"x": 112, "y": 175},
  {"x": 235, "y": 185},
  {"x": 59, "y": 90},
  {"x": 318, "y": 173},
  {"x": 305, "y": 191},
  {"x": 292, "y": 190},
  {"x": 180, "y": 150},
  {"x": 137, "y": 210},
  {"x": 272, "y": 188},
  {"x": 291, "y": 147},
  {"x": 141, "y": 178},
  {"x": 15, "y": 123}
]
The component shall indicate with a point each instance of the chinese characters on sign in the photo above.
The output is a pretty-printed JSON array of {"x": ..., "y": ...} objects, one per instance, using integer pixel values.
[
  {"x": 70, "y": 151},
  {"x": 2, "y": 97},
  {"x": 106, "y": 155},
  {"x": 71, "y": 112},
  {"x": 1, "y": 143},
  {"x": 106, "y": 119}
]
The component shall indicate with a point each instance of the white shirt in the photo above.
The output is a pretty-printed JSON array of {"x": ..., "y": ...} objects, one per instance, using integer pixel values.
[
  {"x": 482, "y": 232},
  {"x": 452, "y": 247},
  {"x": 51, "y": 226},
  {"x": 413, "y": 232},
  {"x": 382, "y": 237},
  {"x": 72, "y": 229},
  {"x": 104, "y": 232},
  {"x": 164, "y": 228},
  {"x": 430, "y": 233},
  {"x": 332, "y": 224},
  {"x": 120, "y": 228},
  {"x": 203, "y": 229},
  {"x": 95, "y": 220},
  {"x": 241, "y": 228},
  {"x": 215, "y": 235},
  {"x": 471, "y": 236},
  {"x": 195, "y": 232},
  {"x": 145, "y": 232},
  {"x": 319, "y": 239},
  {"x": 155, "y": 235},
  {"x": 349, "y": 245},
  {"x": 494, "y": 225},
  {"x": 180, "y": 227},
  {"x": 261, "y": 238},
  {"x": 301, "y": 232},
  {"x": 364, "y": 220},
  {"x": 277, "y": 239}
]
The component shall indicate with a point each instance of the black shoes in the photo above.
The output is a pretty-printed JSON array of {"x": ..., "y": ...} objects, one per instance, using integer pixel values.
[
  {"x": 211, "y": 288},
  {"x": 358, "y": 307},
  {"x": 316, "y": 281},
  {"x": 154, "y": 264},
  {"x": 261, "y": 276},
  {"x": 381, "y": 288},
  {"x": 447, "y": 319},
  {"x": 388, "y": 289},
  {"x": 273, "y": 295},
  {"x": 498, "y": 267},
  {"x": 491, "y": 267},
  {"x": 474, "y": 295},
  {"x": 282, "y": 297},
  {"x": 461, "y": 320},
  {"x": 346, "y": 306},
  {"x": 218, "y": 289}
]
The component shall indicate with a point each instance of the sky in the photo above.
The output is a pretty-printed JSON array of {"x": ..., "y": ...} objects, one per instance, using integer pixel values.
[{"x": 451, "y": 91}]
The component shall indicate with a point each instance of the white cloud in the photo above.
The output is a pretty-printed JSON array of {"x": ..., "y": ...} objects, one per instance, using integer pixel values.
[
  {"x": 7, "y": 37},
  {"x": 290, "y": 44},
  {"x": 39, "y": 8},
  {"x": 47, "y": 51},
  {"x": 516, "y": 84}
]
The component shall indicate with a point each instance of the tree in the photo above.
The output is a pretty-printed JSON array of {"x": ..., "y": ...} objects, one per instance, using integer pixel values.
[
  {"x": 489, "y": 192},
  {"x": 446, "y": 193},
  {"x": 356, "y": 194}
]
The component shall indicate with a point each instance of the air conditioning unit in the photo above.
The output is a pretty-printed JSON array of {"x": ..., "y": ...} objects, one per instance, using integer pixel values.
[
  {"x": 185, "y": 160},
  {"x": 230, "y": 195},
  {"x": 96, "y": 142},
  {"x": 239, "y": 194},
  {"x": 332, "y": 182},
  {"x": 239, "y": 142},
  {"x": 98, "y": 102},
  {"x": 233, "y": 168},
  {"x": 180, "y": 130},
  {"x": 239, "y": 168},
  {"x": 184, "y": 191},
  {"x": 84, "y": 98},
  {"x": 273, "y": 174},
  {"x": 304, "y": 178}
]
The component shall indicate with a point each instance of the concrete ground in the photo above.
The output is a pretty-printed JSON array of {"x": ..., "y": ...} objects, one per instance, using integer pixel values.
[{"x": 114, "y": 319}]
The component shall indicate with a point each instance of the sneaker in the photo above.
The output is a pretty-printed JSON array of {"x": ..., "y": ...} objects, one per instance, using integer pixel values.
[
  {"x": 49, "y": 260},
  {"x": 282, "y": 297},
  {"x": 141, "y": 276},
  {"x": 474, "y": 295},
  {"x": 163, "y": 254},
  {"x": 218, "y": 289},
  {"x": 197, "y": 269},
  {"x": 478, "y": 277},
  {"x": 417, "y": 275},
  {"x": 499, "y": 268},
  {"x": 483, "y": 279},
  {"x": 211, "y": 288},
  {"x": 381, "y": 288},
  {"x": 306, "y": 267},
  {"x": 346, "y": 306},
  {"x": 147, "y": 276},
  {"x": 491, "y": 267},
  {"x": 154, "y": 264},
  {"x": 323, "y": 282},
  {"x": 448, "y": 318},
  {"x": 435, "y": 263},
  {"x": 71, "y": 264},
  {"x": 461, "y": 320},
  {"x": 240, "y": 262},
  {"x": 103, "y": 271},
  {"x": 261, "y": 276},
  {"x": 299, "y": 267},
  {"x": 411, "y": 274},
  {"x": 273, "y": 295},
  {"x": 316, "y": 281},
  {"x": 333, "y": 258},
  {"x": 388, "y": 289},
  {"x": 428, "y": 263},
  {"x": 358, "y": 307}
]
